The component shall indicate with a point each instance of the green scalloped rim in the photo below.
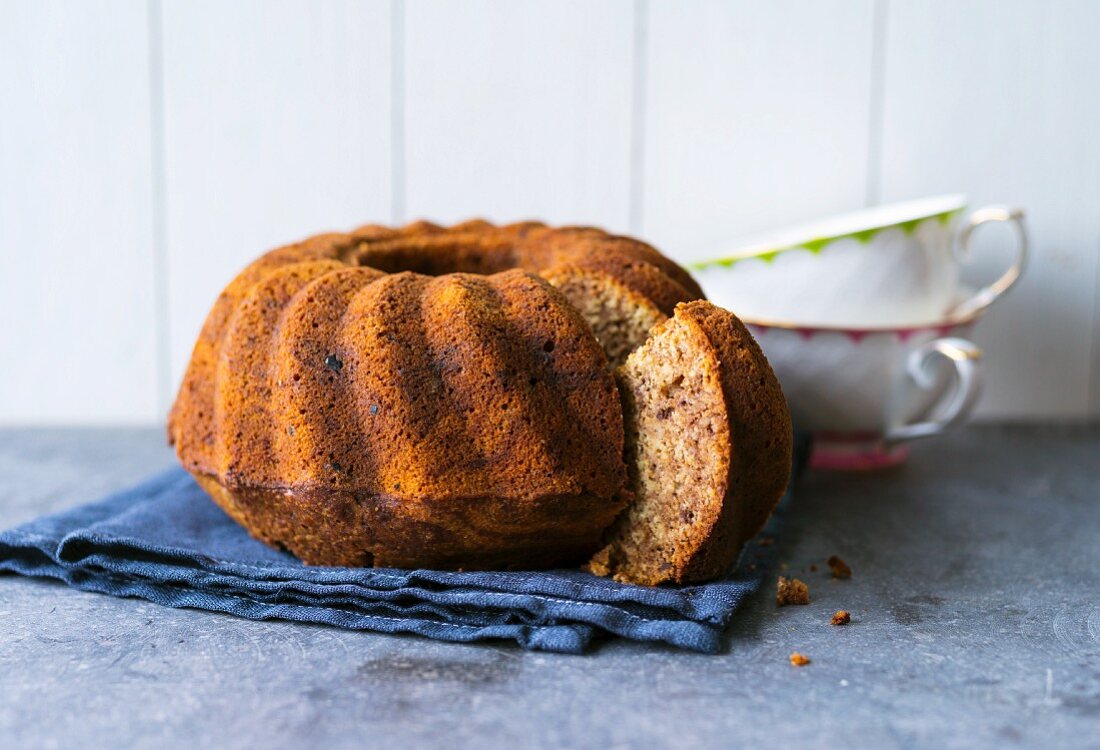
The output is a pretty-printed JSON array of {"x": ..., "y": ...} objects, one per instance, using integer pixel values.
[{"x": 818, "y": 244}]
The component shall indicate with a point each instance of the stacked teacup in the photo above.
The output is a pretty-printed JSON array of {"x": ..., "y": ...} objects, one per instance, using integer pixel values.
[{"x": 866, "y": 322}]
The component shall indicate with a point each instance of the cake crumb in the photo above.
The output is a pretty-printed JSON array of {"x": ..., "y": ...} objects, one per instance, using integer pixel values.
[
  {"x": 791, "y": 591},
  {"x": 798, "y": 660},
  {"x": 766, "y": 541},
  {"x": 842, "y": 617},
  {"x": 813, "y": 567},
  {"x": 839, "y": 568}
]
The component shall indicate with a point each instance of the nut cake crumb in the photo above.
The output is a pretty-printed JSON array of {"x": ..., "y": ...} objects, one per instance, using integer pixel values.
[
  {"x": 839, "y": 568},
  {"x": 799, "y": 660},
  {"x": 842, "y": 617},
  {"x": 791, "y": 591}
]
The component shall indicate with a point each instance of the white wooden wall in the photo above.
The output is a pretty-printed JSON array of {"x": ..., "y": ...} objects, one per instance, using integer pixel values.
[{"x": 150, "y": 149}]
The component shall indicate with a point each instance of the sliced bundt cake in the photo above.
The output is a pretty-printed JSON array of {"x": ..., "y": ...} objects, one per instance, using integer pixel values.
[{"x": 445, "y": 397}]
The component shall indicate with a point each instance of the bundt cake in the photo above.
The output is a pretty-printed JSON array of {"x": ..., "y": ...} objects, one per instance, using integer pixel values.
[
  {"x": 708, "y": 443},
  {"x": 445, "y": 397}
]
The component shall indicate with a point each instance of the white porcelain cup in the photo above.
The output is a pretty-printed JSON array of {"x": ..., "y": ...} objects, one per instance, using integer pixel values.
[
  {"x": 895, "y": 265},
  {"x": 866, "y": 392}
]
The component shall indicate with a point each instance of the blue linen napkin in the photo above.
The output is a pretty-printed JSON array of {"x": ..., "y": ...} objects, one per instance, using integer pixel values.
[{"x": 166, "y": 541}]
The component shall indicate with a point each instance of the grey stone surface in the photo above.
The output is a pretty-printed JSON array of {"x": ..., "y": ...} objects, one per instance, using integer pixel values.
[{"x": 976, "y": 623}]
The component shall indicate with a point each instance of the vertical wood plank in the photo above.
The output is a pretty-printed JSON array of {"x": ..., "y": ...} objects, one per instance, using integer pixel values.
[
  {"x": 277, "y": 126},
  {"x": 757, "y": 116},
  {"x": 1094, "y": 379},
  {"x": 77, "y": 342},
  {"x": 518, "y": 110},
  {"x": 999, "y": 100}
]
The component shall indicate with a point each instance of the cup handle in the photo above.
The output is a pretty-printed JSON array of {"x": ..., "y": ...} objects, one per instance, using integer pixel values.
[
  {"x": 965, "y": 358},
  {"x": 986, "y": 296}
]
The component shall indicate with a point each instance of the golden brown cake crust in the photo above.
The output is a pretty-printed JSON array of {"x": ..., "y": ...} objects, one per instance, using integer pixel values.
[
  {"x": 337, "y": 527},
  {"x": 416, "y": 396}
]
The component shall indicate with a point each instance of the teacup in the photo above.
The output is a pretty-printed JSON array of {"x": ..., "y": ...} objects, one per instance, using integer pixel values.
[
  {"x": 895, "y": 265},
  {"x": 865, "y": 392}
]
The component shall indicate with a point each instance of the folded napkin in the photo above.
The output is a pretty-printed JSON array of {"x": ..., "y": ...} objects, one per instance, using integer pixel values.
[{"x": 167, "y": 542}]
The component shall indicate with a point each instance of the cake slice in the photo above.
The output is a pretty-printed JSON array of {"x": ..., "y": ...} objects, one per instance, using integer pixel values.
[{"x": 708, "y": 447}]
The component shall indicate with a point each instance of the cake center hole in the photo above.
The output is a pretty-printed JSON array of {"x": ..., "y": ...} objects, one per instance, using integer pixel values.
[{"x": 436, "y": 256}]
